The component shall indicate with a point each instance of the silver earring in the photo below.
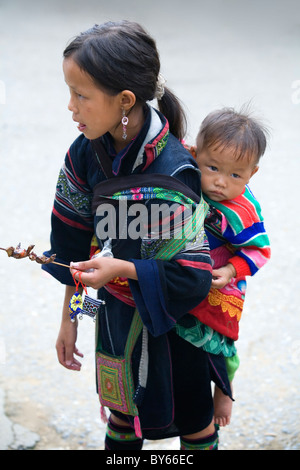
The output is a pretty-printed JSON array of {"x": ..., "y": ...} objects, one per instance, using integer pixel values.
[{"x": 124, "y": 124}]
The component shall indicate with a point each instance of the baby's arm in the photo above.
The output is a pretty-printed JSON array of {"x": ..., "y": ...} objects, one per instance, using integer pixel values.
[{"x": 222, "y": 276}]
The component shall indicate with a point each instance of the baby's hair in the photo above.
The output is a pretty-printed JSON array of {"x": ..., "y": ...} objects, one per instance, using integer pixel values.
[
  {"x": 229, "y": 128},
  {"x": 122, "y": 56}
]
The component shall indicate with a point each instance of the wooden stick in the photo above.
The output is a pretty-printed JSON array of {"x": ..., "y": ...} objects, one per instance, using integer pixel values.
[{"x": 60, "y": 264}]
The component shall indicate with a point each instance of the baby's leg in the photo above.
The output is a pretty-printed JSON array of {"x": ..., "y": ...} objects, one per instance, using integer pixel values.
[
  {"x": 223, "y": 403},
  {"x": 222, "y": 407}
]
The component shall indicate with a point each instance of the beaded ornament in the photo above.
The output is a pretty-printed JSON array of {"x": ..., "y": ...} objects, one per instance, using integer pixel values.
[
  {"x": 79, "y": 306},
  {"x": 76, "y": 302}
]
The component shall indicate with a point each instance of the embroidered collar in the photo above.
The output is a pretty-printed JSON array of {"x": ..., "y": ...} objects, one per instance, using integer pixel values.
[{"x": 143, "y": 149}]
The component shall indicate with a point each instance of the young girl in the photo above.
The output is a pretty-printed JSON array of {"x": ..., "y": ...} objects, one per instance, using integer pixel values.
[
  {"x": 155, "y": 384},
  {"x": 228, "y": 148}
]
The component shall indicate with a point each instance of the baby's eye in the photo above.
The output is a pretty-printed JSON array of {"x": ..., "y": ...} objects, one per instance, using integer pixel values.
[
  {"x": 235, "y": 175},
  {"x": 213, "y": 168}
]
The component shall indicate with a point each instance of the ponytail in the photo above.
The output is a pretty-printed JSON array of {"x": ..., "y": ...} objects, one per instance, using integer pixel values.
[{"x": 170, "y": 106}]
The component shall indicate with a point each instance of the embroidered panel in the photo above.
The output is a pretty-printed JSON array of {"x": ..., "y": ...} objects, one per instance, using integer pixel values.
[
  {"x": 228, "y": 303},
  {"x": 71, "y": 198},
  {"x": 115, "y": 384}
]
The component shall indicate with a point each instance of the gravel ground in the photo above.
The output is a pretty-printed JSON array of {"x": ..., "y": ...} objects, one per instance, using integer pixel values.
[{"x": 213, "y": 54}]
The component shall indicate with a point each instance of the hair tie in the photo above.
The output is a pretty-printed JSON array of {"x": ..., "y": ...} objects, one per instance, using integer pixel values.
[{"x": 160, "y": 87}]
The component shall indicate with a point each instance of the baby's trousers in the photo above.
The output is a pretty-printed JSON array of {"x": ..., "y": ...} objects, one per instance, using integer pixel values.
[{"x": 232, "y": 365}]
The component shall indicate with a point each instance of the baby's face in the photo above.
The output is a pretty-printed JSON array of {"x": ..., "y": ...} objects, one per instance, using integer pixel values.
[{"x": 223, "y": 177}]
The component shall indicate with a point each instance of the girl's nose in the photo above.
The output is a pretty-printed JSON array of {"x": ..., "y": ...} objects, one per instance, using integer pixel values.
[{"x": 71, "y": 105}]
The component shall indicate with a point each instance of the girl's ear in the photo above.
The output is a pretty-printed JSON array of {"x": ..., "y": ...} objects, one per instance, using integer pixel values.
[
  {"x": 128, "y": 99},
  {"x": 192, "y": 151}
]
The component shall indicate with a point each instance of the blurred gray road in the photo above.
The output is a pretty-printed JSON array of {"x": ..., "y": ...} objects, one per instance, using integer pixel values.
[{"x": 213, "y": 54}]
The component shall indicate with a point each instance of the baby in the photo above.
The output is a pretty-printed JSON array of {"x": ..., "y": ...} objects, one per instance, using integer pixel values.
[{"x": 228, "y": 149}]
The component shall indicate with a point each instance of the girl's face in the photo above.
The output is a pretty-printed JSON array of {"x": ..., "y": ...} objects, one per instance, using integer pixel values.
[
  {"x": 223, "y": 177},
  {"x": 95, "y": 111}
]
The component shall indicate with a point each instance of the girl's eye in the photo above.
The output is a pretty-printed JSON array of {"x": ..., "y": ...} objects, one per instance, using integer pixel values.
[
  {"x": 234, "y": 175},
  {"x": 213, "y": 168}
]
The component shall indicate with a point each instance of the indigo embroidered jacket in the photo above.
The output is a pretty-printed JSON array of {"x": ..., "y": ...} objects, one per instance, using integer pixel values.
[{"x": 165, "y": 291}]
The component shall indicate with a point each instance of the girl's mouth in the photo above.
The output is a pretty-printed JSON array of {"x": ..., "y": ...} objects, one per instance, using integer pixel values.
[{"x": 81, "y": 127}]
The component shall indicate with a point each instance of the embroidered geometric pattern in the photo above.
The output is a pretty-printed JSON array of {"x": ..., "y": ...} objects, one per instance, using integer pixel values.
[
  {"x": 117, "y": 436},
  {"x": 115, "y": 380},
  {"x": 150, "y": 247},
  {"x": 72, "y": 198},
  {"x": 162, "y": 143},
  {"x": 68, "y": 192},
  {"x": 75, "y": 305},
  {"x": 229, "y": 303},
  {"x": 188, "y": 445},
  {"x": 111, "y": 374},
  {"x": 90, "y": 306},
  {"x": 148, "y": 192}
]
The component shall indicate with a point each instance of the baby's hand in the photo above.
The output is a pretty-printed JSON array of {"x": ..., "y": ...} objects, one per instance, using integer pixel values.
[{"x": 222, "y": 276}]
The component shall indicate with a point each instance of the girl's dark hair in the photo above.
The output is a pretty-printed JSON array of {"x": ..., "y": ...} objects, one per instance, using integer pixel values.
[
  {"x": 229, "y": 128},
  {"x": 122, "y": 56}
]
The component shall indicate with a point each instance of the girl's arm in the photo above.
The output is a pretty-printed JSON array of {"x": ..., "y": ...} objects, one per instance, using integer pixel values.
[{"x": 66, "y": 342}]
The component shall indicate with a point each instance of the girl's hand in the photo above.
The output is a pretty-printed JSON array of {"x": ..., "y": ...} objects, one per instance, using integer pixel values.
[
  {"x": 66, "y": 346},
  {"x": 99, "y": 271},
  {"x": 222, "y": 276}
]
